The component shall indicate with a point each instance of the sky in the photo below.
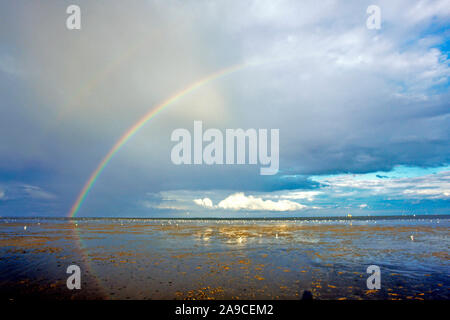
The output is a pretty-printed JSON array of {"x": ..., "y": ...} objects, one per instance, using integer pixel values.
[{"x": 363, "y": 114}]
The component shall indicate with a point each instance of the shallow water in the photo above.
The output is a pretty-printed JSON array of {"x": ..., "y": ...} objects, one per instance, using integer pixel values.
[{"x": 224, "y": 259}]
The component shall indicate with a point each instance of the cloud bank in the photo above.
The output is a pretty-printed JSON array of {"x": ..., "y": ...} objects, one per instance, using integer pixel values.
[
  {"x": 434, "y": 186},
  {"x": 239, "y": 201}
]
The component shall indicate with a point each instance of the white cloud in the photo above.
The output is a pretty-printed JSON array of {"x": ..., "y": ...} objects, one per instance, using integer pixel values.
[
  {"x": 163, "y": 206},
  {"x": 432, "y": 186},
  {"x": 23, "y": 191},
  {"x": 263, "y": 201},
  {"x": 426, "y": 9},
  {"x": 239, "y": 201},
  {"x": 205, "y": 202},
  {"x": 296, "y": 195},
  {"x": 37, "y": 193},
  {"x": 433, "y": 193},
  {"x": 362, "y": 206}
]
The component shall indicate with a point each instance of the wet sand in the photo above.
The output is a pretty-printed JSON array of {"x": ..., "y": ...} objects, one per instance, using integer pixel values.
[{"x": 224, "y": 259}]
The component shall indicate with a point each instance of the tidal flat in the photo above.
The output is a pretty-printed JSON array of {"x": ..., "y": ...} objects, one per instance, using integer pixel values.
[{"x": 225, "y": 259}]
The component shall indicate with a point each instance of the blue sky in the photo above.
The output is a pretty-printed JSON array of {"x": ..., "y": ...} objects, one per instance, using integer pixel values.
[{"x": 364, "y": 115}]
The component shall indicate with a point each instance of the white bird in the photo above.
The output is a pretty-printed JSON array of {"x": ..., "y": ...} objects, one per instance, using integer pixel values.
[
  {"x": 25, "y": 228},
  {"x": 412, "y": 238}
]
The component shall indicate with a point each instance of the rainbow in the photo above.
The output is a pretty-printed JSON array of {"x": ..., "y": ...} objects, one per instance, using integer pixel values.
[{"x": 139, "y": 124}]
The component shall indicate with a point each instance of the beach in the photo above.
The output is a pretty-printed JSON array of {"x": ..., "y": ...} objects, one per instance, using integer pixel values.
[{"x": 225, "y": 258}]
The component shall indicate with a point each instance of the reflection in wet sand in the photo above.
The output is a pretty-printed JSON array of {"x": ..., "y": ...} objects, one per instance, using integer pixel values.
[{"x": 224, "y": 259}]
